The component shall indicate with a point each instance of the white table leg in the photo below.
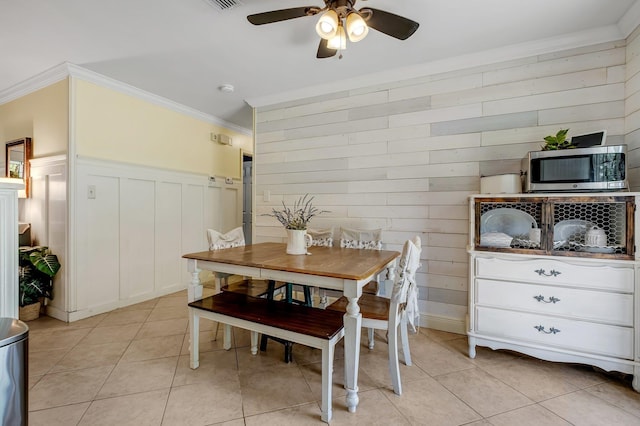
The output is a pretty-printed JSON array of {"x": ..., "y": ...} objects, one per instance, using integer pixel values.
[
  {"x": 194, "y": 338},
  {"x": 352, "y": 330},
  {"x": 194, "y": 291}
]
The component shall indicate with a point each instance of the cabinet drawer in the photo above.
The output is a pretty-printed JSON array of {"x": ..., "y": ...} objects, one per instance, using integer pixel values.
[
  {"x": 558, "y": 332},
  {"x": 548, "y": 271},
  {"x": 613, "y": 308}
]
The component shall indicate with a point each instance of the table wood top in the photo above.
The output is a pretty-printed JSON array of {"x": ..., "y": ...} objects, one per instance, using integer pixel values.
[{"x": 336, "y": 262}]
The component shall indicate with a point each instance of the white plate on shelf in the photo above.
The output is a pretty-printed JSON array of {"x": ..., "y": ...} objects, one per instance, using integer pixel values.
[
  {"x": 595, "y": 249},
  {"x": 565, "y": 229},
  {"x": 507, "y": 221},
  {"x": 495, "y": 239}
]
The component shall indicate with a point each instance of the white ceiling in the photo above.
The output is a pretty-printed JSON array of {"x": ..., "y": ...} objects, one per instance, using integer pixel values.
[{"x": 184, "y": 50}]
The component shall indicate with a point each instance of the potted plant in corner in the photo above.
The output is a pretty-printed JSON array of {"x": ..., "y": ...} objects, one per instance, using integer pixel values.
[
  {"x": 295, "y": 221},
  {"x": 37, "y": 267}
]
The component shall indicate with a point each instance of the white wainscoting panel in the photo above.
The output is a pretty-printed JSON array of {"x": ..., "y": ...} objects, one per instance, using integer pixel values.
[
  {"x": 132, "y": 235},
  {"x": 46, "y": 210},
  {"x": 168, "y": 230},
  {"x": 98, "y": 243},
  {"x": 137, "y": 235}
]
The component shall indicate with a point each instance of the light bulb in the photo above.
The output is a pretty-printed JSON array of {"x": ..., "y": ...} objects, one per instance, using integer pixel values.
[
  {"x": 339, "y": 41},
  {"x": 357, "y": 29},
  {"x": 327, "y": 25}
]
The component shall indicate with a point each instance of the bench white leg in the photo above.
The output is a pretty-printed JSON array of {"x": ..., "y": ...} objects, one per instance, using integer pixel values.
[
  {"x": 254, "y": 343},
  {"x": 226, "y": 343},
  {"x": 327, "y": 386},
  {"x": 194, "y": 338}
]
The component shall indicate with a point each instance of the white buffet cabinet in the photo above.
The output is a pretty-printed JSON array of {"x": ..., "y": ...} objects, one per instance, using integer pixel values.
[{"x": 562, "y": 298}]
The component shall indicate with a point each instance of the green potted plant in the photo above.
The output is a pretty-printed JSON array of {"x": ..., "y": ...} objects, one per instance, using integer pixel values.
[
  {"x": 37, "y": 267},
  {"x": 557, "y": 141}
]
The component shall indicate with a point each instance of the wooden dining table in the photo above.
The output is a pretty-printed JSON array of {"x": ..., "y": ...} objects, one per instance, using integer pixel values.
[{"x": 344, "y": 269}]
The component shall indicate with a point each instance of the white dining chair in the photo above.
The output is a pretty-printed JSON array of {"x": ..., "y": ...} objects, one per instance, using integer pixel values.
[
  {"x": 219, "y": 241},
  {"x": 251, "y": 287},
  {"x": 400, "y": 312},
  {"x": 368, "y": 239}
]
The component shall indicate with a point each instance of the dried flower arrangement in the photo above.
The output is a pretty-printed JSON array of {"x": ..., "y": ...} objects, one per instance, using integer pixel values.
[{"x": 299, "y": 216}]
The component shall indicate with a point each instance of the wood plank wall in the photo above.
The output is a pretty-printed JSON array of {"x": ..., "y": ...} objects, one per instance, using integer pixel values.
[
  {"x": 405, "y": 156},
  {"x": 632, "y": 108}
]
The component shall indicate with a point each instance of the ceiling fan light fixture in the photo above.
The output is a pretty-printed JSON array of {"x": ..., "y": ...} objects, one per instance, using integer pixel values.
[
  {"x": 327, "y": 25},
  {"x": 357, "y": 28},
  {"x": 339, "y": 41}
]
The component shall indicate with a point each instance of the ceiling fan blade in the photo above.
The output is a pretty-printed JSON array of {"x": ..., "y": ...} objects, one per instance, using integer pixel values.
[
  {"x": 324, "y": 51},
  {"x": 391, "y": 24},
  {"x": 281, "y": 15}
]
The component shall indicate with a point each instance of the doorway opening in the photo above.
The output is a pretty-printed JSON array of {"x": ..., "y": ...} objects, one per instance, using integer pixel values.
[{"x": 247, "y": 205}]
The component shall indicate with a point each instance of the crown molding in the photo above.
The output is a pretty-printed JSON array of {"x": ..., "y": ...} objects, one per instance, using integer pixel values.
[
  {"x": 67, "y": 69},
  {"x": 487, "y": 57},
  {"x": 37, "y": 82}
]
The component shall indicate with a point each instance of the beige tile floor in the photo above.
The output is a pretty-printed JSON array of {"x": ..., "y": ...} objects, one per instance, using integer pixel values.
[{"x": 131, "y": 367}]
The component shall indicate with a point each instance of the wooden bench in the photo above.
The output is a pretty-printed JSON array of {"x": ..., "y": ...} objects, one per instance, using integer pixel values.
[{"x": 313, "y": 327}]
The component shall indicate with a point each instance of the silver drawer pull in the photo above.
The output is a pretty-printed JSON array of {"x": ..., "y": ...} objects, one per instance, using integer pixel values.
[
  {"x": 540, "y": 298},
  {"x": 552, "y": 273},
  {"x": 552, "y": 330}
]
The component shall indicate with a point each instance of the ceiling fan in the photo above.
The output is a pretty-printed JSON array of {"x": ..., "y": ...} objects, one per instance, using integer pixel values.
[{"x": 338, "y": 15}]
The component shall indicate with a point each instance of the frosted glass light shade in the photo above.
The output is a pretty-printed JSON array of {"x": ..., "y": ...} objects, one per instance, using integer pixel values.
[
  {"x": 339, "y": 41},
  {"x": 327, "y": 25},
  {"x": 357, "y": 29}
]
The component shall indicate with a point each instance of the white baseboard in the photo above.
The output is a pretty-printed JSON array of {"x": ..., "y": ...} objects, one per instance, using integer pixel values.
[
  {"x": 57, "y": 313},
  {"x": 107, "y": 307},
  {"x": 451, "y": 325}
]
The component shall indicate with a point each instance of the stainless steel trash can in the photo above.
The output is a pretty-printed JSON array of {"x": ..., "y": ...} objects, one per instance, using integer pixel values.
[{"x": 14, "y": 353}]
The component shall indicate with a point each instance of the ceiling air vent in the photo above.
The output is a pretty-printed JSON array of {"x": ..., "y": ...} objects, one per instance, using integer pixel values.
[{"x": 223, "y": 4}]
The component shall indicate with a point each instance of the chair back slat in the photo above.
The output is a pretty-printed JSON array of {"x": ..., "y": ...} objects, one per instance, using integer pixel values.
[
  {"x": 361, "y": 238},
  {"x": 321, "y": 237},
  {"x": 219, "y": 241}
]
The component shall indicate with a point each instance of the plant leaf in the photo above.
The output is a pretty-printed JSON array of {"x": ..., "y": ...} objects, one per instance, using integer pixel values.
[{"x": 47, "y": 263}]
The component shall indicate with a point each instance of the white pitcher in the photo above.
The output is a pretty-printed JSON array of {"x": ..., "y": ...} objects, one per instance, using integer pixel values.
[{"x": 297, "y": 241}]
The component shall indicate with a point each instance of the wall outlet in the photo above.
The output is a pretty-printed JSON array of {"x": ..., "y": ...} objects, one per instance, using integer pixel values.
[
  {"x": 212, "y": 181},
  {"x": 91, "y": 192}
]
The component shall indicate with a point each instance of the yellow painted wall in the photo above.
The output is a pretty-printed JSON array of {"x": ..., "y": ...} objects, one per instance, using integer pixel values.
[
  {"x": 114, "y": 126},
  {"x": 43, "y": 116}
]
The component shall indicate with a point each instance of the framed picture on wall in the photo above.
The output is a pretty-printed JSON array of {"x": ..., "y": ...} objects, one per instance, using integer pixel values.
[{"x": 17, "y": 155}]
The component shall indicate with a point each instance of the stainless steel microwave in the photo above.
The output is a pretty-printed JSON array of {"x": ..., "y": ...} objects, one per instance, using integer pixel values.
[{"x": 598, "y": 168}]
